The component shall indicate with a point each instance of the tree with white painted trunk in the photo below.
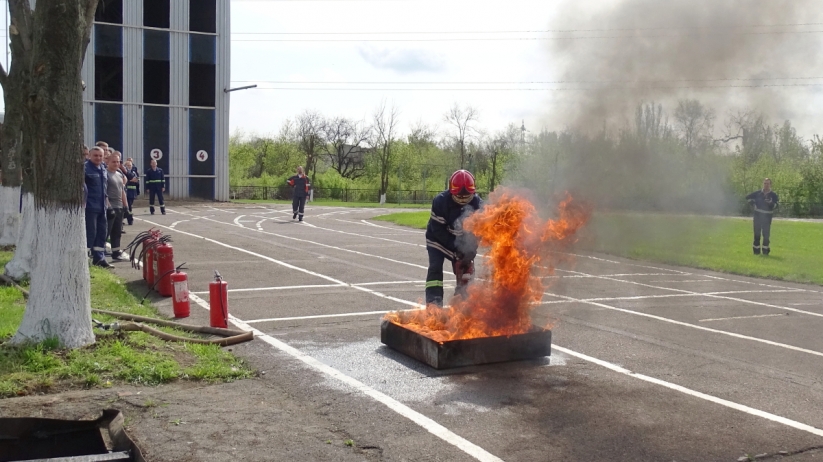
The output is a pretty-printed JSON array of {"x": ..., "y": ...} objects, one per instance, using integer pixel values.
[
  {"x": 56, "y": 34},
  {"x": 13, "y": 159}
]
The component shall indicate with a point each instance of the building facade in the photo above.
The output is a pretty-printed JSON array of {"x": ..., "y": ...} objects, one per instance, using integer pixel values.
[{"x": 156, "y": 74}]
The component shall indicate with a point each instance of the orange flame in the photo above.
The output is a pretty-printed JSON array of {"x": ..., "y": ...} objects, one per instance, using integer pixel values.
[{"x": 521, "y": 250}]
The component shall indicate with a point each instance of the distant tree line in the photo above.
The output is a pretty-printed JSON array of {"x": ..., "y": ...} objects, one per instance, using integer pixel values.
[{"x": 679, "y": 160}]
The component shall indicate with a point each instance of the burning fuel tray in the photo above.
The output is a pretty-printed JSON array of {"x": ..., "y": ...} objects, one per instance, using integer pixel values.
[{"x": 470, "y": 352}]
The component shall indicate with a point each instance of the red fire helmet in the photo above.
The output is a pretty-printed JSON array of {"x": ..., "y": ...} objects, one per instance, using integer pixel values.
[{"x": 461, "y": 186}]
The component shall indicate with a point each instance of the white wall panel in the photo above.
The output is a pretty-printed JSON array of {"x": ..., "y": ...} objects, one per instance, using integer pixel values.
[
  {"x": 178, "y": 151},
  {"x": 133, "y": 81},
  {"x": 222, "y": 101}
]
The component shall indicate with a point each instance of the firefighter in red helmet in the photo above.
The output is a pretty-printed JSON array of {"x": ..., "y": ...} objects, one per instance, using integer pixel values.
[{"x": 445, "y": 238}]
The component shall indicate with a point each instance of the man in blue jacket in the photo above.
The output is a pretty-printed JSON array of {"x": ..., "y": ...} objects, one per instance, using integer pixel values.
[
  {"x": 445, "y": 238},
  {"x": 156, "y": 186},
  {"x": 300, "y": 185},
  {"x": 96, "y": 223},
  {"x": 764, "y": 202}
]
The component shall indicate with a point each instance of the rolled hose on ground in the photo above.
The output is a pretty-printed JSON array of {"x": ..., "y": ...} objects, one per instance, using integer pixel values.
[{"x": 232, "y": 337}]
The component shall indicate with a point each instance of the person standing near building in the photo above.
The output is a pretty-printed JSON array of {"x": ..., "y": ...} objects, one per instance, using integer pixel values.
[
  {"x": 116, "y": 193},
  {"x": 764, "y": 202},
  {"x": 156, "y": 186},
  {"x": 445, "y": 238},
  {"x": 300, "y": 185},
  {"x": 132, "y": 182},
  {"x": 95, "y": 189}
]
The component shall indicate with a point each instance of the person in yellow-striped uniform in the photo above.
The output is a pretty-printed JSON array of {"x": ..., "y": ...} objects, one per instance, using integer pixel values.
[
  {"x": 156, "y": 186},
  {"x": 445, "y": 238}
]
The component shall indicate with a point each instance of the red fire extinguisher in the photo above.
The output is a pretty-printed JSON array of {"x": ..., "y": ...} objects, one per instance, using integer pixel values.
[
  {"x": 164, "y": 258},
  {"x": 180, "y": 294},
  {"x": 147, "y": 263},
  {"x": 219, "y": 301},
  {"x": 151, "y": 264}
]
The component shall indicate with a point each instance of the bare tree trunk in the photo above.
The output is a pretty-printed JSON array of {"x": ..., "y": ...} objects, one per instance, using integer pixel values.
[{"x": 59, "y": 305}]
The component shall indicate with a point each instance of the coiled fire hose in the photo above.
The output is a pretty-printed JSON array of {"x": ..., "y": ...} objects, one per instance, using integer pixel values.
[{"x": 232, "y": 337}]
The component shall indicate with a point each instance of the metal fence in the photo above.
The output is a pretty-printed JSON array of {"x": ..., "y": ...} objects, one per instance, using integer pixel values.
[
  {"x": 786, "y": 209},
  {"x": 411, "y": 196}
]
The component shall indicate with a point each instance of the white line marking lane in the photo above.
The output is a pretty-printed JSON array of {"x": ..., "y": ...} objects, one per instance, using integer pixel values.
[
  {"x": 686, "y": 324},
  {"x": 745, "y": 317},
  {"x": 428, "y": 424},
  {"x": 312, "y": 242},
  {"x": 438, "y": 429},
  {"x": 707, "y": 294}
]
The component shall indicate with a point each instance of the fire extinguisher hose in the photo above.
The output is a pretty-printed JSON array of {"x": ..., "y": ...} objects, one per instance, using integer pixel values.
[{"x": 232, "y": 337}]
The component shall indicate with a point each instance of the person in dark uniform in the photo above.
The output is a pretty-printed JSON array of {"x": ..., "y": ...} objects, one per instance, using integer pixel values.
[
  {"x": 764, "y": 202},
  {"x": 300, "y": 186},
  {"x": 156, "y": 186},
  {"x": 132, "y": 191},
  {"x": 95, "y": 185},
  {"x": 445, "y": 238}
]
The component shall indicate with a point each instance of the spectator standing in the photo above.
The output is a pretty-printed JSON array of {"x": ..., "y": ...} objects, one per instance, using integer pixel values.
[
  {"x": 156, "y": 186},
  {"x": 136, "y": 173},
  {"x": 116, "y": 193},
  {"x": 300, "y": 186},
  {"x": 95, "y": 187},
  {"x": 764, "y": 202},
  {"x": 132, "y": 182}
]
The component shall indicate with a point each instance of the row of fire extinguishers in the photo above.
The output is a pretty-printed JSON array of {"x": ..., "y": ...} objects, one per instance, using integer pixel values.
[{"x": 154, "y": 252}]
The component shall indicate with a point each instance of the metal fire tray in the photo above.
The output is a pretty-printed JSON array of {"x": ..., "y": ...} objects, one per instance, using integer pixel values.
[{"x": 470, "y": 352}]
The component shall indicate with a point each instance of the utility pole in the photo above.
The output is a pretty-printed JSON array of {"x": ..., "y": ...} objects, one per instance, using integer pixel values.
[{"x": 523, "y": 133}]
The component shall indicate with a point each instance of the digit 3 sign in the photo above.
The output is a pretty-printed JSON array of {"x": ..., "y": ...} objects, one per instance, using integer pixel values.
[
  {"x": 202, "y": 156},
  {"x": 156, "y": 154}
]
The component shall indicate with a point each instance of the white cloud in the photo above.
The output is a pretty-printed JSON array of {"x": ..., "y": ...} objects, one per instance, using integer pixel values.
[{"x": 404, "y": 60}]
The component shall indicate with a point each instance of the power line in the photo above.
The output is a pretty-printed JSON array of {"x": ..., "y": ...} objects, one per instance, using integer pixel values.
[
  {"x": 534, "y": 31},
  {"x": 417, "y": 82},
  {"x": 509, "y": 39},
  {"x": 705, "y": 87}
]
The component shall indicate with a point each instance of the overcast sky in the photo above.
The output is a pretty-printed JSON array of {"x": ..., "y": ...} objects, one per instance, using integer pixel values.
[
  {"x": 503, "y": 57},
  {"x": 395, "y": 64}
]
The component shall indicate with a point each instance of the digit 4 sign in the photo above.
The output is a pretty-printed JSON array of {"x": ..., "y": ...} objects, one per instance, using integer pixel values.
[{"x": 202, "y": 156}]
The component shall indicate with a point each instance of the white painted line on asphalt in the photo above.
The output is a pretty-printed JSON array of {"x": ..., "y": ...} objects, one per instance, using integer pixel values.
[
  {"x": 579, "y": 276},
  {"x": 318, "y": 316},
  {"x": 176, "y": 223},
  {"x": 744, "y": 317},
  {"x": 256, "y": 289},
  {"x": 237, "y": 220},
  {"x": 368, "y": 236},
  {"x": 428, "y": 424},
  {"x": 650, "y": 297},
  {"x": 684, "y": 280},
  {"x": 388, "y": 282},
  {"x": 707, "y": 294},
  {"x": 370, "y": 224},
  {"x": 686, "y": 324},
  {"x": 317, "y": 243},
  {"x": 807, "y": 304},
  {"x": 281, "y": 263},
  {"x": 456, "y": 440},
  {"x": 696, "y": 394}
]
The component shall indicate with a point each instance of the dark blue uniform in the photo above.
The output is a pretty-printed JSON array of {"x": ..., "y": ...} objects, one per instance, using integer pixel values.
[
  {"x": 300, "y": 190},
  {"x": 764, "y": 205},
  {"x": 96, "y": 223},
  {"x": 155, "y": 182},
  {"x": 132, "y": 191},
  {"x": 445, "y": 239}
]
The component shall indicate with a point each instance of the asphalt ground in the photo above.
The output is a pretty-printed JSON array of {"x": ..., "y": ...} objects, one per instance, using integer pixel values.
[{"x": 649, "y": 362}]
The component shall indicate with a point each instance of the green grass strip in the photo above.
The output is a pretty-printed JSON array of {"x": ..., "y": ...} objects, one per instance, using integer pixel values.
[
  {"x": 116, "y": 357},
  {"x": 717, "y": 243}
]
